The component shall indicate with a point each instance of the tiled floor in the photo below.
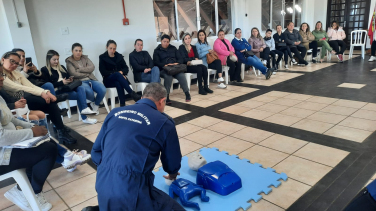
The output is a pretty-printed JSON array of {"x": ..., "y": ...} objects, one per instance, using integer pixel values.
[{"x": 314, "y": 126}]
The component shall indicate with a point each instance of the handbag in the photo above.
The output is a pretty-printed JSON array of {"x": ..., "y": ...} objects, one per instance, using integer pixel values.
[
  {"x": 281, "y": 44},
  {"x": 174, "y": 69},
  {"x": 248, "y": 53},
  {"x": 196, "y": 62},
  {"x": 70, "y": 87},
  {"x": 233, "y": 58},
  {"x": 211, "y": 57}
]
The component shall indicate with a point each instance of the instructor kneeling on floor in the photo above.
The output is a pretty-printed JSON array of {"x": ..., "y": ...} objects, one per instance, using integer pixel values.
[{"x": 127, "y": 149}]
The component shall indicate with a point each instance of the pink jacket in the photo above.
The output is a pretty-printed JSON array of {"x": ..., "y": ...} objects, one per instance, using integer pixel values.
[
  {"x": 221, "y": 49},
  {"x": 336, "y": 34}
]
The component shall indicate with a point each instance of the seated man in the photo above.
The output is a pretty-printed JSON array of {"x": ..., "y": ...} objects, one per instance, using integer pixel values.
[
  {"x": 142, "y": 65},
  {"x": 294, "y": 41},
  {"x": 127, "y": 149}
]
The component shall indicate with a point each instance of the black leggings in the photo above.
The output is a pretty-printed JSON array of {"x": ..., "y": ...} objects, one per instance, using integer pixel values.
[
  {"x": 335, "y": 44},
  {"x": 287, "y": 52},
  {"x": 300, "y": 55},
  {"x": 235, "y": 69},
  {"x": 117, "y": 80},
  {"x": 38, "y": 162},
  {"x": 216, "y": 65},
  {"x": 202, "y": 73},
  {"x": 265, "y": 56},
  {"x": 276, "y": 52},
  {"x": 38, "y": 103},
  {"x": 373, "y": 48},
  {"x": 313, "y": 46}
]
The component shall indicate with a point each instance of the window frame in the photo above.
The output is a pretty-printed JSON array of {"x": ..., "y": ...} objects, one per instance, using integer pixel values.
[{"x": 283, "y": 2}]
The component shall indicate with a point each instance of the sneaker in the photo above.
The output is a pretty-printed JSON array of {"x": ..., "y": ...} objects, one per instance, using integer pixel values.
[
  {"x": 338, "y": 57},
  {"x": 294, "y": 62},
  {"x": 268, "y": 73},
  {"x": 264, "y": 62},
  {"x": 286, "y": 66},
  {"x": 341, "y": 58},
  {"x": 94, "y": 108},
  {"x": 72, "y": 169},
  {"x": 314, "y": 61},
  {"x": 42, "y": 202},
  {"x": 222, "y": 86},
  {"x": 75, "y": 158},
  {"x": 87, "y": 111},
  {"x": 275, "y": 71},
  {"x": 136, "y": 97},
  {"x": 219, "y": 80},
  {"x": 187, "y": 97},
  {"x": 18, "y": 198},
  {"x": 373, "y": 58},
  {"x": 89, "y": 121}
]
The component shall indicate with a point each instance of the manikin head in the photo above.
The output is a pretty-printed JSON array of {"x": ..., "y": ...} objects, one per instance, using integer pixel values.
[{"x": 196, "y": 161}]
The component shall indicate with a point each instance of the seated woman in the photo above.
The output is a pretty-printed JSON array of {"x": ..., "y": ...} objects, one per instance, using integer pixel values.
[
  {"x": 258, "y": 46},
  {"x": 372, "y": 38},
  {"x": 142, "y": 65},
  {"x": 37, "y": 98},
  {"x": 241, "y": 47},
  {"x": 281, "y": 45},
  {"x": 167, "y": 55},
  {"x": 203, "y": 48},
  {"x": 225, "y": 52},
  {"x": 294, "y": 41},
  {"x": 114, "y": 71},
  {"x": 308, "y": 40},
  {"x": 56, "y": 74},
  {"x": 336, "y": 36},
  {"x": 322, "y": 40},
  {"x": 270, "y": 43},
  {"x": 81, "y": 67},
  {"x": 189, "y": 53}
]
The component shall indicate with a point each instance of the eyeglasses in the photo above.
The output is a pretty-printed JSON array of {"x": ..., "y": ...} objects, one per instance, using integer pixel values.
[
  {"x": 3, "y": 75},
  {"x": 14, "y": 62}
]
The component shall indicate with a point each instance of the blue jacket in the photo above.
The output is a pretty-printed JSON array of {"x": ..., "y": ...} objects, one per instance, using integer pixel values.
[
  {"x": 202, "y": 50},
  {"x": 126, "y": 151},
  {"x": 240, "y": 45}
]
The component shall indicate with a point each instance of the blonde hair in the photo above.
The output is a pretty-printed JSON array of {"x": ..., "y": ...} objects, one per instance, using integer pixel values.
[
  {"x": 185, "y": 45},
  {"x": 49, "y": 55}
]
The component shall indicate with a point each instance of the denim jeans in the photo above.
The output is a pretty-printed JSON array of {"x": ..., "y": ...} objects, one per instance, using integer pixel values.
[
  {"x": 49, "y": 86},
  {"x": 79, "y": 95},
  {"x": 256, "y": 62},
  {"x": 92, "y": 86},
  {"x": 152, "y": 76},
  {"x": 117, "y": 80}
]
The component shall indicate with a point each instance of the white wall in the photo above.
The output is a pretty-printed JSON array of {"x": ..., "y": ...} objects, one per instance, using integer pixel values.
[
  {"x": 319, "y": 12},
  {"x": 6, "y": 43}
]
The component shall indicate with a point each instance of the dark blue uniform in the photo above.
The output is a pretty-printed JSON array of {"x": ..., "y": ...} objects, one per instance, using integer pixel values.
[
  {"x": 126, "y": 150},
  {"x": 365, "y": 200}
]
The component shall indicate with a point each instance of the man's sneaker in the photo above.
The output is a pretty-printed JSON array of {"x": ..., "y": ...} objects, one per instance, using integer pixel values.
[
  {"x": 18, "y": 198},
  {"x": 294, "y": 62},
  {"x": 94, "y": 108},
  {"x": 286, "y": 66},
  {"x": 75, "y": 158},
  {"x": 373, "y": 58},
  {"x": 222, "y": 86},
  {"x": 219, "y": 80},
  {"x": 269, "y": 73},
  {"x": 42, "y": 202},
  {"x": 87, "y": 111},
  {"x": 89, "y": 121},
  {"x": 264, "y": 62}
]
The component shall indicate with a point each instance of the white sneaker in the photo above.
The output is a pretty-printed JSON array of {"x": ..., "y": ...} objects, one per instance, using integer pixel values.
[
  {"x": 94, "y": 108},
  {"x": 264, "y": 62},
  {"x": 72, "y": 169},
  {"x": 75, "y": 158},
  {"x": 372, "y": 59},
  {"x": 220, "y": 80},
  {"x": 90, "y": 121},
  {"x": 222, "y": 86},
  {"x": 87, "y": 111},
  {"x": 18, "y": 198},
  {"x": 286, "y": 66},
  {"x": 42, "y": 202},
  {"x": 294, "y": 62}
]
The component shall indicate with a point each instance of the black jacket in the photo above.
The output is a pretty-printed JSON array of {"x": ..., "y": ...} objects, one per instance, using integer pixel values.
[
  {"x": 8, "y": 99},
  {"x": 184, "y": 53},
  {"x": 293, "y": 37},
  {"x": 107, "y": 66},
  {"x": 163, "y": 56},
  {"x": 279, "y": 38},
  {"x": 55, "y": 76},
  {"x": 139, "y": 61}
]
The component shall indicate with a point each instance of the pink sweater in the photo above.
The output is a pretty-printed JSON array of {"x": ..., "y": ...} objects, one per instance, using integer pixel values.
[
  {"x": 221, "y": 49},
  {"x": 336, "y": 34},
  {"x": 256, "y": 44}
]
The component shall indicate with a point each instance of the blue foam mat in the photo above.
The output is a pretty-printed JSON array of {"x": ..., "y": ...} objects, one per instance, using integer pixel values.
[{"x": 255, "y": 180}]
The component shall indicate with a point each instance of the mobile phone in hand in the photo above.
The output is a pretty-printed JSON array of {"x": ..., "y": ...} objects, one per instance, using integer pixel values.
[{"x": 28, "y": 60}]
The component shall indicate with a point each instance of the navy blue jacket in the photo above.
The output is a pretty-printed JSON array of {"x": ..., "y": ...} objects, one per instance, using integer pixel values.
[
  {"x": 140, "y": 61},
  {"x": 184, "y": 53},
  {"x": 240, "y": 45},
  {"x": 107, "y": 66},
  {"x": 163, "y": 56},
  {"x": 126, "y": 151}
]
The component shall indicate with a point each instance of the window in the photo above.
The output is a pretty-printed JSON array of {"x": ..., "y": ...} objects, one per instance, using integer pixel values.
[
  {"x": 298, "y": 12},
  {"x": 176, "y": 17},
  {"x": 283, "y": 12},
  {"x": 265, "y": 20}
]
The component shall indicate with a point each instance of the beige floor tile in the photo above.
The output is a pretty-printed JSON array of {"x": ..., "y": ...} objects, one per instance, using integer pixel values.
[
  {"x": 277, "y": 94},
  {"x": 325, "y": 100},
  {"x": 167, "y": 108},
  {"x": 234, "y": 94},
  {"x": 271, "y": 107},
  {"x": 233, "y": 87},
  {"x": 194, "y": 99},
  {"x": 295, "y": 96},
  {"x": 91, "y": 202},
  {"x": 365, "y": 114},
  {"x": 15, "y": 208},
  {"x": 370, "y": 106},
  {"x": 282, "y": 119},
  {"x": 158, "y": 164},
  {"x": 177, "y": 112},
  {"x": 251, "y": 134},
  {"x": 101, "y": 117},
  {"x": 89, "y": 129},
  {"x": 57, "y": 203},
  {"x": 348, "y": 133},
  {"x": 186, "y": 129},
  {"x": 262, "y": 205},
  {"x": 312, "y": 125},
  {"x": 226, "y": 127},
  {"x": 73, "y": 118},
  {"x": 327, "y": 117},
  {"x": 220, "y": 98},
  {"x": 264, "y": 98},
  {"x": 205, "y": 136},
  {"x": 5, "y": 202},
  {"x": 187, "y": 146},
  {"x": 339, "y": 110},
  {"x": 283, "y": 143},
  {"x": 75, "y": 124},
  {"x": 234, "y": 109},
  {"x": 287, "y": 193},
  {"x": 257, "y": 114},
  {"x": 349, "y": 103},
  {"x": 92, "y": 137},
  {"x": 302, "y": 170},
  {"x": 221, "y": 91},
  {"x": 311, "y": 105},
  {"x": 231, "y": 145},
  {"x": 352, "y": 85},
  {"x": 363, "y": 124},
  {"x": 286, "y": 102},
  {"x": 60, "y": 176},
  {"x": 247, "y": 90},
  {"x": 250, "y": 103},
  {"x": 204, "y": 103},
  {"x": 85, "y": 189},
  {"x": 297, "y": 112},
  {"x": 262, "y": 155},
  {"x": 322, "y": 154},
  {"x": 204, "y": 121}
]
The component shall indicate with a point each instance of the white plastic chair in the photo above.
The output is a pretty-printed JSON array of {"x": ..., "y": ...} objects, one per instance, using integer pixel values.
[
  {"x": 88, "y": 101},
  {"x": 188, "y": 77},
  {"x": 111, "y": 93},
  {"x": 140, "y": 86},
  {"x": 358, "y": 41},
  {"x": 20, "y": 176}
]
